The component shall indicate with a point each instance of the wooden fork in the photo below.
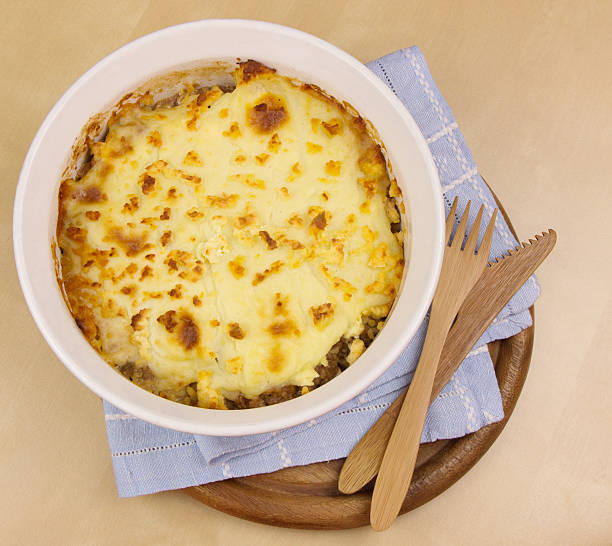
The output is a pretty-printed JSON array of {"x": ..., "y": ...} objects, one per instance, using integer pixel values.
[{"x": 460, "y": 271}]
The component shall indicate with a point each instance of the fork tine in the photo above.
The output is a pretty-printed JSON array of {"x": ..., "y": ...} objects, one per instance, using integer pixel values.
[
  {"x": 470, "y": 244},
  {"x": 485, "y": 246},
  {"x": 450, "y": 219},
  {"x": 460, "y": 233}
]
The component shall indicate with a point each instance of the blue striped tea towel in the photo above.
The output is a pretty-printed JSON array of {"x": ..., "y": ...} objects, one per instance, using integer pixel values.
[{"x": 147, "y": 458}]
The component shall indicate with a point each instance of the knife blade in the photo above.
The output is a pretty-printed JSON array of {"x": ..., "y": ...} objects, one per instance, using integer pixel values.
[{"x": 499, "y": 282}]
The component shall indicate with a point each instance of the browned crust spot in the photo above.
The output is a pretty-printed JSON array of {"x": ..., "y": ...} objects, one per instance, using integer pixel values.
[
  {"x": 280, "y": 304},
  {"x": 236, "y": 267},
  {"x": 131, "y": 244},
  {"x": 176, "y": 292},
  {"x": 233, "y": 131},
  {"x": 284, "y": 328},
  {"x": 333, "y": 127},
  {"x": 321, "y": 312},
  {"x": 269, "y": 113},
  {"x": 131, "y": 205},
  {"x": 372, "y": 162},
  {"x": 146, "y": 272},
  {"x": 124, "y": 148},
  {"x": 234, "y": 330},
  {"x": 91, "y": 194},
  {"x": 296, "y": 220},
  {"x": 275, "y": 360},
  {"x": 131, "y": 268},
  {"x": 319, "y": 221},
  {"x": 137, "y": 319},
  {"x": 244, "y": 221},
  {"x": 105, "y": 169},
  {"x": 194, "y": 179},
  {"x": 85, "y": 320},
  {"x": 147, "y": 183},
  {"x": 201, "y": 98},
  {"x": 313, "y": 148},
  {"x": 295, "y": 245},
  {"x": 189, "y": 333},
  {"x": 262, "y": 158},
  {"x": 168, "y": 320},
  {"x": 271, "y": 243},
  {"x": 77, "y": 234},
  {"x": 194, "y": 213},
  {"x": 369, "y": 186},
  {"x": 274, "y": 143},
  {"x": 154, "y": 139},
  {"x": 192, "y": 158},
  {"x": 247, "y": 70},
  {"x": 92, "y": 215},
  {"x": 275, "y": 267},
  {"x": 333, "y": 168},
  {"x": 222, "y": 201}
]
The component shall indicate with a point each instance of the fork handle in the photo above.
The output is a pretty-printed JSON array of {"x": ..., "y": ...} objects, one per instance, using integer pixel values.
[{"x": 400, "y": 456}]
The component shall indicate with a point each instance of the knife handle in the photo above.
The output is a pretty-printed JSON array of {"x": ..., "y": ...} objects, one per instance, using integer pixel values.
[
  {"x": 359, "y": 469},
  {"x": 375, "y": 441}
]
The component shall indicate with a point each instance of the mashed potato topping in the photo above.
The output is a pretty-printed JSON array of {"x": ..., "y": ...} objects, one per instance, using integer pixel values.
[{"x": 219, "y": 246}]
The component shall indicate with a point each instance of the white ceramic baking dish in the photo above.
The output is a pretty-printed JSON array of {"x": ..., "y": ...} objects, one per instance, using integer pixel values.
[{"x": 292, "y": 53}]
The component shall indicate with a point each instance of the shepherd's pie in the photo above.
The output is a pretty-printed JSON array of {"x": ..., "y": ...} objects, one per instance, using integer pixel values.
[{"x": 232, "y": 248}]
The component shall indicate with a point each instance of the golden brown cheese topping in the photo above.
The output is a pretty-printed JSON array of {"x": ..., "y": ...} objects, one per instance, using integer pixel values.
[{"x": 218, "y": 249}]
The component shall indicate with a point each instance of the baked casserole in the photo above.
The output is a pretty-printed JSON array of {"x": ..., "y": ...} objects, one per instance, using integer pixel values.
[{"x": 232, "y": 247}]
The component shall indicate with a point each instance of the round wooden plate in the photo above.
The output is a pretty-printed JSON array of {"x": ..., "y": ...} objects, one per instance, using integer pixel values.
[{"x": 307, "y": 497}]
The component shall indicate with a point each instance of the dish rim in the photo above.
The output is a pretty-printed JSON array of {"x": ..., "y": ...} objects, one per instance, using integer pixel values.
[{"x": 268, "y": 418}]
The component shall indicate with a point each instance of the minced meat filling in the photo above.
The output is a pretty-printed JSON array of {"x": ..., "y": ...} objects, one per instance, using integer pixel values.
[{"x": 336, "y": 363}]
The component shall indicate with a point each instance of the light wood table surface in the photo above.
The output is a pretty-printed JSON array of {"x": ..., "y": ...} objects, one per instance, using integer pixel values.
[{"x": 531, "y": 86}]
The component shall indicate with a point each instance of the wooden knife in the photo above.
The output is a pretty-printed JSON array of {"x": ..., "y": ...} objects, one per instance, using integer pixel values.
[{"x": 500, "y": 281}]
